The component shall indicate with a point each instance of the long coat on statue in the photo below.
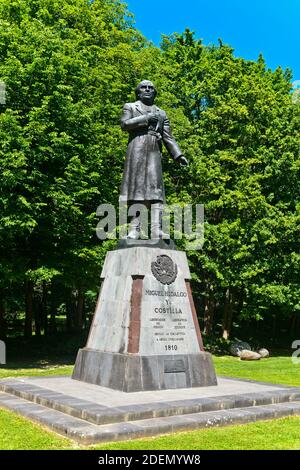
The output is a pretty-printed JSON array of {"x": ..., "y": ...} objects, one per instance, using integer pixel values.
[{"x": 142, "y": 178}]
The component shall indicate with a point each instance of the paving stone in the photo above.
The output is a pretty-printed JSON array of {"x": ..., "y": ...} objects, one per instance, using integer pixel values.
[
  {"x": 282, "y": 409},
  {"x": 240, "y": 416},
  {"x": 239, "y": 401},
  {"x": 180, "y": 423},
  {"x": 210, "y": 404},
  {"x": 155, "y": 426},
  {"x": 104, "y": 417},
  {"x": 293, "y": 406},
  {"x": 179, "y": 407},
  {"x": 262, "y": 412}
]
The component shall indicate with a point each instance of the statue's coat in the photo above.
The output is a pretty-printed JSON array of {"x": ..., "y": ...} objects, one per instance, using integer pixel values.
[{"x": 142, "y": 178}]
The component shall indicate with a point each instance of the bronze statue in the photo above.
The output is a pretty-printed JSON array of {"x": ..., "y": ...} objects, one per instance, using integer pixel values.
[{"x": 148, "y": 127}]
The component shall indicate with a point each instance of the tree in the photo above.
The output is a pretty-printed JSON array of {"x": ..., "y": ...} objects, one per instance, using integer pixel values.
[{"x": 67, "y": 66}]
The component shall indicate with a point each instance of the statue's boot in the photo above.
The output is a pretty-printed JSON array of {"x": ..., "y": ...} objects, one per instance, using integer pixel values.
[
  {"x": 156, "y": 222},
  {"x": 134, "y": 229}
]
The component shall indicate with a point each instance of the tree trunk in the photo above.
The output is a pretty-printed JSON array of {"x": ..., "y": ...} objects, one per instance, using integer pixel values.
[
  {"x": 37, "y": 317},
  {"x": 209, "y": 306},
  {"x": 79, "y": 311},
  {"x": 44, "y": 316},
  {"x": 227, "y": 318},
  {"x": 70, "y": 313},
  {"x": 274, "y": 327},
  {"x": 52, "y": 326},
  {"x": 209, "y": 314},
  {"x": 28, "y": 309}
]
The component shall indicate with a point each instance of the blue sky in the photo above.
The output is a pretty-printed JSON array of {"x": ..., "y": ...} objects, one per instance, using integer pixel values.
[{"x": 271, "y": 27}]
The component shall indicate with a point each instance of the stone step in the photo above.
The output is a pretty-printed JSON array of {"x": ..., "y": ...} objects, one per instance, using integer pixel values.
[
  {"x": 87, "y": 433},
  {"x": 99, "y": 414}
]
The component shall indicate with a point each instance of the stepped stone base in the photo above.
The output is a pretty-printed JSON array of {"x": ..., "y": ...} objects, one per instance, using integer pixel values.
[
  {"x": 89, "y": 413},
  {"x": 134, "y": 373}
]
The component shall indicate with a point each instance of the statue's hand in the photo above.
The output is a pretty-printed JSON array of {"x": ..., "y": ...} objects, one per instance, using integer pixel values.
[
  {"x": 183, "y": 161},
  {"x": 153, "y": 118}
]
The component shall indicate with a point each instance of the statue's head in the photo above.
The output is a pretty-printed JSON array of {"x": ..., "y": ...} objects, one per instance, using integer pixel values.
[{"x": 146, "y": 92}]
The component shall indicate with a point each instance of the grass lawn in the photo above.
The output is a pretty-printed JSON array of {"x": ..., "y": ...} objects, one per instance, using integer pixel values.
[
  {"x": 277, "y": 369},
  {"x": 277, "y": 434},
  {"x": 43, "y": 370},
  {"x": 18, "y": 433}
]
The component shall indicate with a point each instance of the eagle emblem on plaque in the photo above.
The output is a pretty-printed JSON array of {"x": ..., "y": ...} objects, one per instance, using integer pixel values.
[{"x": 164, "y": 269}]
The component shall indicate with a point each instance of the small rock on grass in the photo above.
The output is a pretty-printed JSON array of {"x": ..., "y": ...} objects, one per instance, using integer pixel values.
[
  {"x": 263, "y": 353},
  {"x": 247, "y": 355}
]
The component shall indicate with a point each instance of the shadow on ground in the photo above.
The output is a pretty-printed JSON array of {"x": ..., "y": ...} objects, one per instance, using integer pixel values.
[{"x": 43, "y": 352}]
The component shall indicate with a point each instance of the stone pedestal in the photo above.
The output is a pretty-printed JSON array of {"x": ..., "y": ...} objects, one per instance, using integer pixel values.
[{"x": 145, "y": 333}]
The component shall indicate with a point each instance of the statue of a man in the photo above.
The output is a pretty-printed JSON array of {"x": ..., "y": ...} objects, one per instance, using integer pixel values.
[{"x": 148, "y": 126}]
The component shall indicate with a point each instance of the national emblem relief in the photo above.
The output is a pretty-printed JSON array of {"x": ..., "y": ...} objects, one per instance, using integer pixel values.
[{"x": 164, "y": 269}]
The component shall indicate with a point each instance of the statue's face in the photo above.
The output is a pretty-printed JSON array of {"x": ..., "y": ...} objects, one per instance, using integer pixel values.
[{"x": 146, "y": 92}]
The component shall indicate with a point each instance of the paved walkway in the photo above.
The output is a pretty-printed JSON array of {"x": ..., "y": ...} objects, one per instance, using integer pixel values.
[{"x": 109, "y": 397}]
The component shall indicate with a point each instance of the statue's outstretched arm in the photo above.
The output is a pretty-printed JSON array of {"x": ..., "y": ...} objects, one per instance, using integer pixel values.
[
  {"x": 169, "y": 141},
  {"x": 171, "y": 144}
]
